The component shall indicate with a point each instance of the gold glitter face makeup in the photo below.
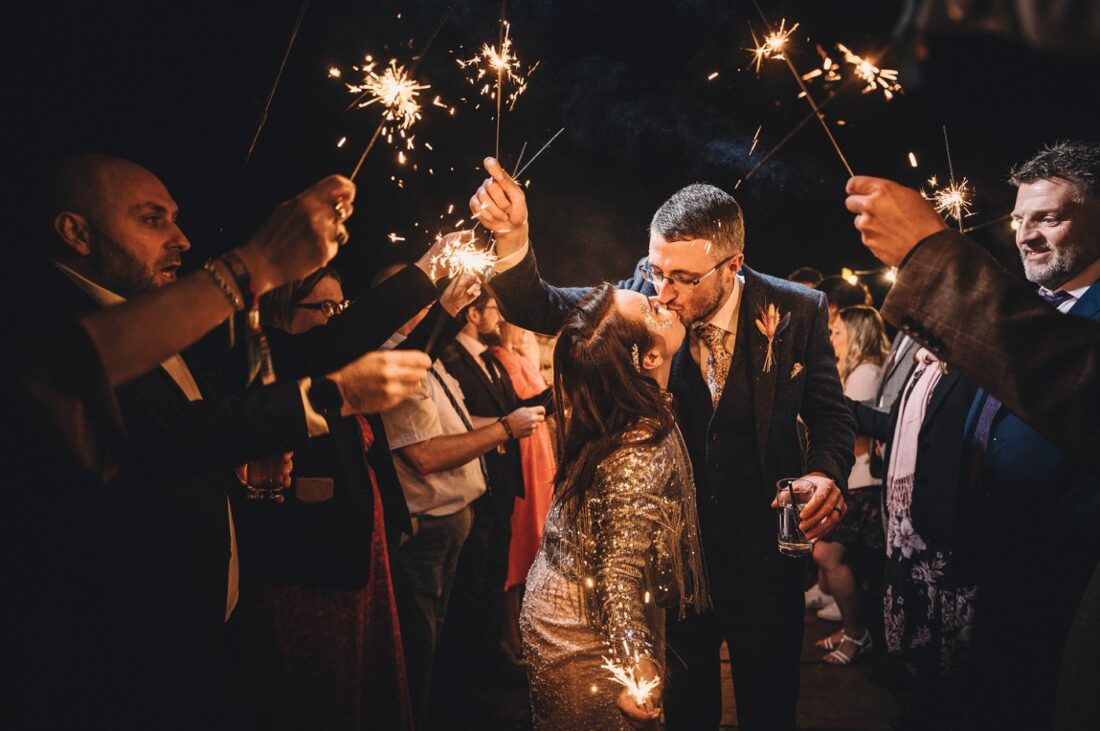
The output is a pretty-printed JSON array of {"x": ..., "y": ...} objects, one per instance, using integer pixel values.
[{"x": 651, "y": 320}]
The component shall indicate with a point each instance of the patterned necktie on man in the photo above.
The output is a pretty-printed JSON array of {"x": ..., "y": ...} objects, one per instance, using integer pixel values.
[{"x": 718, "y": 359}]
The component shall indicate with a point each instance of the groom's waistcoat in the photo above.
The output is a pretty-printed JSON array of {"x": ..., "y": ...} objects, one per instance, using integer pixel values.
[{"x": 736, "y": 520}]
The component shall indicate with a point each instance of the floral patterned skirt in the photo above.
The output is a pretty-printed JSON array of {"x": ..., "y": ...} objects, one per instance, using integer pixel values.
[{"x": 928, "y": 615}]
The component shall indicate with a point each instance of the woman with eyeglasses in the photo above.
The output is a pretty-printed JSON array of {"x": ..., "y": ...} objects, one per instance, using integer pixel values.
[{"x": 321, "y": 644}]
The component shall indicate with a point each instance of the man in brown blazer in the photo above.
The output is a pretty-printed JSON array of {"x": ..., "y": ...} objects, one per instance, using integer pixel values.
[{"x": 1043, "y": 366}]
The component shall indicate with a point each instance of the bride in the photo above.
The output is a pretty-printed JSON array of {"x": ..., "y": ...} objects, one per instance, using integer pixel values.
[{"x": 621, "y": 542}]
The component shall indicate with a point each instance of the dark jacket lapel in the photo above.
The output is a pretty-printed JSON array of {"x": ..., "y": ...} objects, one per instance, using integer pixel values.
[
  {"x": 483, "y": 378},
  {"x": 761, "y": 382}
]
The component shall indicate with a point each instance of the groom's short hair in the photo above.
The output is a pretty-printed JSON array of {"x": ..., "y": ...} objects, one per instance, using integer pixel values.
[
  {"x": 1075, "y": 161},
  {"x": 702, "y": 211}
]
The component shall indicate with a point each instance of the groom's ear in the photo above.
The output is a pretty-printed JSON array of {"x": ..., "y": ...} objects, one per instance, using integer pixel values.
[{"x": 652, "y": 359}]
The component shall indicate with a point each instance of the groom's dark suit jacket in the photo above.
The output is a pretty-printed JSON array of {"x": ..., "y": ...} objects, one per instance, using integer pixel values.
[{"x": 739, "y": 450}]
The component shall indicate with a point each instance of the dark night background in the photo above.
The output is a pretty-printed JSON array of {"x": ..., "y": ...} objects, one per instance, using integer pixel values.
[{"x": 179, "y": 87}]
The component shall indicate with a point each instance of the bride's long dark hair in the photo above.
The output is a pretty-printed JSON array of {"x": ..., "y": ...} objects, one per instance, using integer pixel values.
[{"x": 599, "y": 386}]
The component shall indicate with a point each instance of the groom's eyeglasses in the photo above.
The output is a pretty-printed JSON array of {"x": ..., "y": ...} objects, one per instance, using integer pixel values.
[
  {"x": 654, "y": 278},
  {"x": 328, "y": 308}
]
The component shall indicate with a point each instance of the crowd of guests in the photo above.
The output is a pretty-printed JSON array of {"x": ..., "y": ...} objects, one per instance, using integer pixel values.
[{"x": 242, "y": 499}]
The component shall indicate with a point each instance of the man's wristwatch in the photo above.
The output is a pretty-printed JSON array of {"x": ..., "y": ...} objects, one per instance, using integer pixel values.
[{"x": 325, "y": 398}]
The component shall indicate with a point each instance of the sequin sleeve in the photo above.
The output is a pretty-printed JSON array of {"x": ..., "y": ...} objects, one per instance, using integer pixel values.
[{"x": 629, "y": 486}]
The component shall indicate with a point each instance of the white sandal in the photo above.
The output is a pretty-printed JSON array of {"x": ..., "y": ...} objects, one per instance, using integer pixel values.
[{"x": 863, "y": 646}]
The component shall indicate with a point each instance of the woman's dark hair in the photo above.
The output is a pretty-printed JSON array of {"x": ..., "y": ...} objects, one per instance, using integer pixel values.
[
  {"x": 277, "y": 306},
  {"x": 602, "y": 393}
]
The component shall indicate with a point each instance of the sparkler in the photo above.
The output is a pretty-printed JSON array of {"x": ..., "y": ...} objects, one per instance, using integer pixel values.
[
  {"x": 772, "y": 47},
  {"x": 639, "y": 688},
  {"x": 460, "y": 255},
  {"x": 499, "y": 61},
  {"x": 884, "y": 80},
  {"x": 395, "y": 90},
  {"x": 955, "y": 198},
  {"x": 952, "y": 200}
]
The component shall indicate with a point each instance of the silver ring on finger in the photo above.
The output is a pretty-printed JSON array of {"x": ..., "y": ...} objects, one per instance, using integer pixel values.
[{"x": 341, "y": 211}]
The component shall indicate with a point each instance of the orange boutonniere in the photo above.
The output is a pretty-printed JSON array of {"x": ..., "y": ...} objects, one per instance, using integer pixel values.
[{"x": 771, "y": 324}]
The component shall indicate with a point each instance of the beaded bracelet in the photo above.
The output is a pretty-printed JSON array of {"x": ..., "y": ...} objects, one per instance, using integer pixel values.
[
  {"x": 507, "y": 427},
  {"x": 241, "y": 275},
  {"x": 233, "y": 297}
]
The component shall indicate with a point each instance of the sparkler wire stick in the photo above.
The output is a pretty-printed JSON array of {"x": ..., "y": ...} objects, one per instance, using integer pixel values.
[
  {"x": 987, "y": 224},
  {"x": 536, "y": 155},
  {"x": 366, "y": 151},
  {"x": 951, "y": 170},
  {"x": 784, "y": 141},
  {"x": 809, "y": 98},
  {"x": 500, "y": 73},
  {"x": 412, "y": 70},
  {"x": 274, "y": 86}
]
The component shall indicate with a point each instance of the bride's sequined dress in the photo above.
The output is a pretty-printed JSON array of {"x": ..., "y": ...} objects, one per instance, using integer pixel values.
[{"x": 607, "y": 569}]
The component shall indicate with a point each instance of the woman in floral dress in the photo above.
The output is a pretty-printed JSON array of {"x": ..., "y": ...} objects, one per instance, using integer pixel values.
[{"x": 929, "y": 586}]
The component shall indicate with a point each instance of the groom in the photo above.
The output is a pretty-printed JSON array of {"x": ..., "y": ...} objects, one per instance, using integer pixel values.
[{"x": 739, "y": 386}]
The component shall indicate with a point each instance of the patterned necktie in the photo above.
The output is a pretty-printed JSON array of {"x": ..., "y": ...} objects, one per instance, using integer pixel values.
[
  {"x": 718, "y": 359},
  {"x": 984, "y": 426}
]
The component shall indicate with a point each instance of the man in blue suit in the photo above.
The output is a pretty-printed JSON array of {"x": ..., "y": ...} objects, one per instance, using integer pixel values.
[
  {"x": 1041, "y": 504},
  {"x": 757, "y": 358}
]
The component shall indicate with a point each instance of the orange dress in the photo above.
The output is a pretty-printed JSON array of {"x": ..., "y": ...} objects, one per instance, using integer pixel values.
[{"x": 537, "y": 457}]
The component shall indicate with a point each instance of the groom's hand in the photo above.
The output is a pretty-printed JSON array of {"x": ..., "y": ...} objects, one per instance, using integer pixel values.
[
  {"x": 501, "y": 207},
  {"x": 825, "y": 508}
]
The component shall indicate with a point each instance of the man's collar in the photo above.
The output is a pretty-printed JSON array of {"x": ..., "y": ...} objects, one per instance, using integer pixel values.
[
  {"x": 472, "y": 344},
  {"x": 103, "y": 296},
  {"x": 725, "y": 315}
]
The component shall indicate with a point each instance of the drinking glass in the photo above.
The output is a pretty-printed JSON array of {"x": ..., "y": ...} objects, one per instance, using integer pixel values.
[{"x": 792, "y": 494}]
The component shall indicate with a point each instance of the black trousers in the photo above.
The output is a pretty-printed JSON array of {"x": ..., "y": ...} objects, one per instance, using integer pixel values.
[{"x": 757, "y": 610}]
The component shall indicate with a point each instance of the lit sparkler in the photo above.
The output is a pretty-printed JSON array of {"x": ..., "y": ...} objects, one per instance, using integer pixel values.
[
  {"x": 884, "y": 80},
  {"x": 952, "y": 200},
  {"x": 771, "y": 46},
  {"x": 394, "y": 89},
  {"x": 491, "y": 61},
  {"x": 639, "y": 688},
  {"x": 460, "y": 255}
]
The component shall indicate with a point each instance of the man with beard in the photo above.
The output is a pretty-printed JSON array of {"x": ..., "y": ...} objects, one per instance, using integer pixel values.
[
  {"x": 476, "y": 610},
  {"x": 125, "y": 591},
  {"x": 1038, "y": 499},
  {"x": 1047, "y": 552},
  {"x": 757, "y": 357}
]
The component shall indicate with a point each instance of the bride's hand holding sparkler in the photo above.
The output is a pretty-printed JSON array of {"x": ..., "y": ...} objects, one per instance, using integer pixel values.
[
  {"x": 501, "y": 206},
  {"x": 891, "y": 218},
  {"x": 644, "y": 712}
]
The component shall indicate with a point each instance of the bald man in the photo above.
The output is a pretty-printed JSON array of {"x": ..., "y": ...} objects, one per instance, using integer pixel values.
[{"x": 124, "y": 592}]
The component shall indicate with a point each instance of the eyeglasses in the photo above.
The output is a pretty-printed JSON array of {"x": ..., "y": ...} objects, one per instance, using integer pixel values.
[
  {"x": 328, "y": 308},
  {"x": 652, "y": 277}
]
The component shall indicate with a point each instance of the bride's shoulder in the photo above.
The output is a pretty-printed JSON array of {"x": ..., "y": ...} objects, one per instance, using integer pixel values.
[{"x": 641, "y": 448}]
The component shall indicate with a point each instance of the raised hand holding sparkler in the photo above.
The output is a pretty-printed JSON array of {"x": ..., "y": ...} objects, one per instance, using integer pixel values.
[
  {"x": 501, "y": 206},
  {"x": 891, "y": 218}
]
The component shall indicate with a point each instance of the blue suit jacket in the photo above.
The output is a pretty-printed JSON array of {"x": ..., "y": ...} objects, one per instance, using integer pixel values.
[{"x": 1039, "y": 497}]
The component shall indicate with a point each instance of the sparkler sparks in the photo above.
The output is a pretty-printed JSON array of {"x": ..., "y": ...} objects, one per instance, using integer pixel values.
[
  {"x": 771, "y": 46},
  {"x": 884, "y": 80},
  {"x": 952, "y": 200},
  {"x": 394, "y": 89},
  {"x": 639, "y": 688},
  {"x": 491, "y": 62},
  {"x": 460, "y": 255}
]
